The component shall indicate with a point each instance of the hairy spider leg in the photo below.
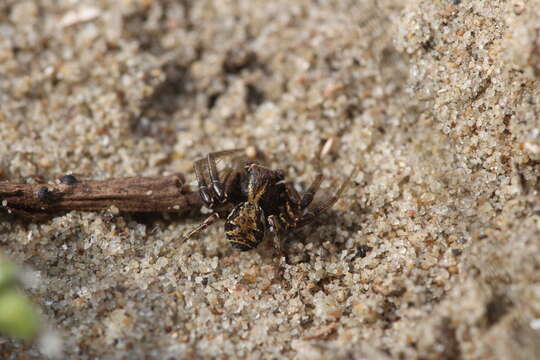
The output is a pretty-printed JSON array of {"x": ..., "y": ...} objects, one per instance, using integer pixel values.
[
  {"x": 230, "y": 181},
  {"x": 204, "y": 192},
  {"x": 309, "y": 194},
  {"x": 217, "y": 185},
  {"x": 292, "y": 193},
  {"x": 211, "y": 196},
  {"x": 292, "y": 203},
  {"x": 276, "y": 229},
  {"x": 296, "y": 203},
  {"x": 206, "y": 223},
  {"x": 313, "y": 213}
]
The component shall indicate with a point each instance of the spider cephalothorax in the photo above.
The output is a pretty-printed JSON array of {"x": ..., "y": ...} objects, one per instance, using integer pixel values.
[{"x": 255, "y": 199}]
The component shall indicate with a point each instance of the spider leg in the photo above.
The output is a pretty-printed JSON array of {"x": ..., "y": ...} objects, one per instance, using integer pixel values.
[
  {"x": 295, "y": 203},
  {"x": 292, "y": 193},
  {"x": 277, "y": 229},
  {"x": 215, "y": 193},
  {"x": 217, "y": 185},
  {"x": 307, "y": 197},
  {"x": 204, "y": 192},
  {"x": 313, "y": 213},
  {"x": 292, "y": 202},
  {"x": 222, "y": 153},
  {"x": 309, "y": 194},
  {"x": 230, "y": 180},
  {"x": 206, "y": 223}
]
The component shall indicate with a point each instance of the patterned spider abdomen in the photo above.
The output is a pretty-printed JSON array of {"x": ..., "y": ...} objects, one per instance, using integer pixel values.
[{"x": 245, "y": 226}]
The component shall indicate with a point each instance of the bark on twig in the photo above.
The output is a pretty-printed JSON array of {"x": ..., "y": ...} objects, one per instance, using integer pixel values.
[{"x": 133, "y": 194}]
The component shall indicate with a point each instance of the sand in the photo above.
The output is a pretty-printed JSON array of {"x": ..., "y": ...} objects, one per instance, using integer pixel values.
[{"x": 432, "y": 253}]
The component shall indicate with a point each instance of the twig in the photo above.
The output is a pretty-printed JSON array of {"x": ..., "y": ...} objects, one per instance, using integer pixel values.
[{"x": 133, "y": 194}]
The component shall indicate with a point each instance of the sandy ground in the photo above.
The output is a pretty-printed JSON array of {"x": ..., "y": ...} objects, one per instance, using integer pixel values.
[{"x": 431, "y": 254}]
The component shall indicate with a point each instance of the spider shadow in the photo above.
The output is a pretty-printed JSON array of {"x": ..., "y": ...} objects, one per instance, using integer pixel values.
[{"x": 321, "y": 231}]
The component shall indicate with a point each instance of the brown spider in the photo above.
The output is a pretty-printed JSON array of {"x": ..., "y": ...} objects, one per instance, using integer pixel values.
[{"x": 256, "y": 199}]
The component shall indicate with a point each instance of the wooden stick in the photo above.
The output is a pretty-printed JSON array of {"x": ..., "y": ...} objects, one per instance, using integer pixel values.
[{"x": 133, "y": 194}]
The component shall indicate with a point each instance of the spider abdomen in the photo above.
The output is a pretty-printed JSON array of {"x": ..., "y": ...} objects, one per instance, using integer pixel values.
[{"x": 245, "y": 226}]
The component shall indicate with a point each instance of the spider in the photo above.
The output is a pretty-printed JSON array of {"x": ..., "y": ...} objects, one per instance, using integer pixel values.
[{"x": 255, "y": 199}]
